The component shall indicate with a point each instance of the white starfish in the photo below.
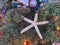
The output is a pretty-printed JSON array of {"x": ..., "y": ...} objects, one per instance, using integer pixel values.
[{"x": 34, "y": 24}]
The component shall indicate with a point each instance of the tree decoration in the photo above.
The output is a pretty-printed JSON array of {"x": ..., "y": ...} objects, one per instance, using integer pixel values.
[
  {"x": 34, "y": 24},
  {"x": 24, "y": 2},
  {"x": 14, "y": 4},
  {"x": 3, "y": 11},
  {"x": 26, "y": 43},
  {"x": 40, "y": 0},
  {"x": 45, "y": 1},
  {"x": 56, "y": 43},
  {"x": 53, "y": 18},
  {"x": 33, "y": 3},
  {"x": 58, "y": 28},
  {"x": 41, "y": 4},
  {"x": 15, "y": 15}
]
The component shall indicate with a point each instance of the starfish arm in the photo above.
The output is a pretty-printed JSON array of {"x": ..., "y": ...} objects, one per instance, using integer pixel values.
[
  {"x": 36, "y": 17},
  {"x": 28, "y": 20},
  {"x": 38, "y": 32},
  {"x": 27, "y": 28},
  {"x": 42, "y": 23}
]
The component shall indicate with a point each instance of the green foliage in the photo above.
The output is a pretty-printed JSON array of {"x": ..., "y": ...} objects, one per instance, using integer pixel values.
[
  {"x": 50, "y": 10},
  {"x": 14, "y": 16}
]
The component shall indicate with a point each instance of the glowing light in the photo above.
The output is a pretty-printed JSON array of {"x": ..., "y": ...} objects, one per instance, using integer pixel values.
[
  {"x": 58, "y": 28},
  {"x": 26, "y": 42}
]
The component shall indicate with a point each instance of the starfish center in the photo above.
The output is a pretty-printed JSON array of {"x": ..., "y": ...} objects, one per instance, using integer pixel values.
[{"x": 34, "y": 23}]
